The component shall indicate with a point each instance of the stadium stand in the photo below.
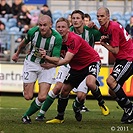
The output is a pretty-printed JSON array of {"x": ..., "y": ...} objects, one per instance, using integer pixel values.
[
  {"x": 57, "y": 14},
  {"x": 122, "y": 22},
  {"x": 66, "y": 13},
  {"x": 4, "y": 20},
  {"x": 34, "y": 11},
  {"x": 11, "y": 23},
  {"x": 127, "y": 16},
  {"x": 117, "y": 14}
]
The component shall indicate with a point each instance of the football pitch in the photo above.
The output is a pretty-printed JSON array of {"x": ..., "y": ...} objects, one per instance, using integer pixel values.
[{"x": 13, "y": 107}]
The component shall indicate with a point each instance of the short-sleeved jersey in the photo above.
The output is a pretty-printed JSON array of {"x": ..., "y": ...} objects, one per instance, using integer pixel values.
[
  {"x": 91, "y": 35},
  {"x": 84, "y": 54},
  {"x": 118, "y": 37},
  {"x": 51, "y": 44}
]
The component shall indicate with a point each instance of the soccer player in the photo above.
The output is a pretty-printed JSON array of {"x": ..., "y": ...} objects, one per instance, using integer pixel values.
[
  {"x": 117, "y": 41},
  {"x": 87, "y": 19},
  {"x": 91, "y": 35},
  {"x": 40, "y": 37},
  {"x": 84, "y": 63}
]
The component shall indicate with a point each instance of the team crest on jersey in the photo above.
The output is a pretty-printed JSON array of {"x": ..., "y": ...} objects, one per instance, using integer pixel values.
[{"x": 71, "y": 45}]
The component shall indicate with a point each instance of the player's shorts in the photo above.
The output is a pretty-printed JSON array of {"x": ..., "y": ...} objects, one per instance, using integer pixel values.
[
  {"x": 33, "y": 71},
  {"x": 62, "y": 73},
  {"x": 122, "y": 70},
  {"x": 83, "y": 87},
  {"x": 75, "y": 77}
]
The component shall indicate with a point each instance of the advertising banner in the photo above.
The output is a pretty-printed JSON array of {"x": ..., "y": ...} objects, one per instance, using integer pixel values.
[
  {"x": 102, "y": 52},
  {"x": 11, "y": 80},
  {"x": 35, "y": 1}
]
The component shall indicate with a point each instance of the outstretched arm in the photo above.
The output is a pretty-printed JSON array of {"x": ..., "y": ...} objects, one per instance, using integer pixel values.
[
  {"x": 66, "y": 59},
  {"x": 20, "y": 48}
]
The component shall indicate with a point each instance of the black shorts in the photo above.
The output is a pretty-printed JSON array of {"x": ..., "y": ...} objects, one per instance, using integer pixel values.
[
  {"x": 122, "y": 70},
  {"x": 75, "y": 77}
]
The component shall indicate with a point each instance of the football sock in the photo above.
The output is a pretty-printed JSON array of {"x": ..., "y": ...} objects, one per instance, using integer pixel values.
[
  {"x": 97, "y": 94},
  {"x": 45, "y": 106},
  {"x": 35, "y": 106},
  {"x": 78, "y": 104},
  {"x": 122, "y": 99},
  {"x": 62, "y": 103}
]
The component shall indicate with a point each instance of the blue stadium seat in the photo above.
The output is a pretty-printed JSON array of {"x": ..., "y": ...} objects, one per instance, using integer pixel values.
[
  {"x": 128, "y": 22},
  {"x": 122, "y": 22},
  {"x": 58, "y": 12},
  {"x": 11, "y": 22},
  {"x": 117, "y": 15},
  {"x": 67, "y": 13},
  {"x": 14, "y": 29},
  {"x": 56, "y": 15},
  {"x": 127, "y": 16},
  {"x": 35, "y": 11},
  {"x": 93, "y": 15},
  {"x": 4, "y": 20},
  {"x": 93, "y": 12},
  {"x": 54, "y": 24},
  {"x": 96, "y": 22}
]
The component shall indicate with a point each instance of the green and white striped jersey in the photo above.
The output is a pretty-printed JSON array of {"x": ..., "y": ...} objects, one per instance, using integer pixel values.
[
  {"x": 52, "y": 44},
  {"x": 91, "y": 35}
]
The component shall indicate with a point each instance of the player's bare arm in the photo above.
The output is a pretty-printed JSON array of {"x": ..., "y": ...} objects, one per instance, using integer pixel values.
[
  {"x": 20, "y": 48},
  {"x": 53, "y": 60},
  {"x": 48, "y": 65},
  {"x": 103, "y": 42},
  {"x": 113, "y": 50},
  {"x": 66, "y": 59}
]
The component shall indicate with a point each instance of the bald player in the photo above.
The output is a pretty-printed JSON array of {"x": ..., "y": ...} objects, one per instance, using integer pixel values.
[
  {"x": 40, "y": 37},
  {"x": 116, "y": 40}
]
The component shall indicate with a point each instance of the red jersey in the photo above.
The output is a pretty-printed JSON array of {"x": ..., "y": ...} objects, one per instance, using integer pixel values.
[
  {"x": 118, "y": 37},
  {"x": 84, "y": 54}
]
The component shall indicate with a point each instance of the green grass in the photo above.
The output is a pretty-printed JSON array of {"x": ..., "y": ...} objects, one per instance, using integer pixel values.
[{"x": 13, "y": 107}]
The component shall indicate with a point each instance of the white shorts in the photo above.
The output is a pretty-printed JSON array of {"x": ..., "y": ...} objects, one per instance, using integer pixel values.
[
  {"x": 62, "y": 73},
  {"x": 83, "y": 87},
  {"x": 33, "y": 71}
]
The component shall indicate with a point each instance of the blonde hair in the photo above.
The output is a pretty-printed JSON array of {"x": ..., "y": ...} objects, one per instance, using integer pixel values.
[{"x": 63, "y": 19}]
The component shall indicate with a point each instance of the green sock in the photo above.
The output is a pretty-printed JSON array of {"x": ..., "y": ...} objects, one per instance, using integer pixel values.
[
  {"x": 33, "y": 108},
  {"x": 47, "y": 103}
]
